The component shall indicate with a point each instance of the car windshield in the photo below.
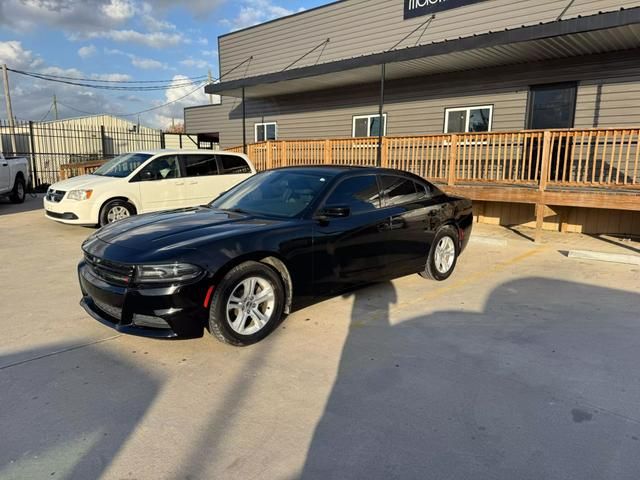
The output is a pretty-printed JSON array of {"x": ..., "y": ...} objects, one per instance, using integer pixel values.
[
  {"x": 123, "y": 165},
  {"x": 280, "y": 193}
]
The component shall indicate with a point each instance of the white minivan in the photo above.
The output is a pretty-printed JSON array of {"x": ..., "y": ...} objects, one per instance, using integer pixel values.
[{"x": 143, "y": 182}]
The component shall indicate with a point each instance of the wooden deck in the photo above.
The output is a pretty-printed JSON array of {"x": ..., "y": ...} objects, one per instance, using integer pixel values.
[{"x": 594, "y": 168}]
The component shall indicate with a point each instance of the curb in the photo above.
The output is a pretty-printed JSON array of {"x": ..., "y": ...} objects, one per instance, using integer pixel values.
[{"x": 605, "y": 257}]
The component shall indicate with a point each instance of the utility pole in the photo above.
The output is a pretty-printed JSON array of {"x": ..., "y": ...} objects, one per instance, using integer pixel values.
[
  {"x": 7, "y": 98},
  {"x": 210, "y": 82},
  {"x": 55, "y": 106}
]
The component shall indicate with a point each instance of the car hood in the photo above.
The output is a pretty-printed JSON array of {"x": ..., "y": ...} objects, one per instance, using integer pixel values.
[
  {"x": 180, "y": 229},
  {"x": 82, "y": 182}
]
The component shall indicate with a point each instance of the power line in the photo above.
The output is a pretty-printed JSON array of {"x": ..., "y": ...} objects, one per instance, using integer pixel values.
[
  {"x": 79, "y": 79},
  {"x": 140, "y": 112},
  {"x": 177, "y": 84}
]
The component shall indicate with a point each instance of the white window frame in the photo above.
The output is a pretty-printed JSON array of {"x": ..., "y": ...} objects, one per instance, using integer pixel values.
[
  {"x": 264, "y": 124},
  {"x": 368, "y": 117},
  {"x": 447, "y": 111}
]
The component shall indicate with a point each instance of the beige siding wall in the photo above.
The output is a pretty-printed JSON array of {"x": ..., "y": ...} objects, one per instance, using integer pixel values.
[
  {"x": 608, "y": 96},
  {"x": 360, "y": 27}
]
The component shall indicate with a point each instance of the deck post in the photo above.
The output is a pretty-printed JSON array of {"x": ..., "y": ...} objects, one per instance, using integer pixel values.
[
  {"x": 244, "y": 123},
  {"x": 269, "y": 147},
  {"x": 547, "y": 140},
  {"x": 327, "y": 151},
  {"x": 384, "y": 158},
  {"x": 453, "y": 160}
]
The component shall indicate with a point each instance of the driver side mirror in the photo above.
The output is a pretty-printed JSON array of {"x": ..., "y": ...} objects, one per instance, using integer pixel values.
[
  {"x": 334, "y": 211},
  {"x": 146, "y": 176}
]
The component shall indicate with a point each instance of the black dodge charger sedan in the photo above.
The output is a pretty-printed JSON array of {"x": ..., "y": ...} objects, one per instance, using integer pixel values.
[{"x": 280, "y": 240}]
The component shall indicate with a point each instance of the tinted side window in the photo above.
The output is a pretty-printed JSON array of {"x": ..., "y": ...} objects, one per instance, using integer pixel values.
[
  {"x": 399, "y": 190},
  {"x": 361, "y": 194},
  {"x": 200, "y": 165},
  {"x": 162, "y": 168},
  {"x": 232, "y": 165}
]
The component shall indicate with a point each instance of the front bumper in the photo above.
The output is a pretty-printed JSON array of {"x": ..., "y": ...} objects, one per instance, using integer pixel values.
[
  {"x": 166, "y": 312},
  {"x": 70, "y": 211}
]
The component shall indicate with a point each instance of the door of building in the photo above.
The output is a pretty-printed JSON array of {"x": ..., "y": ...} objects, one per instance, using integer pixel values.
[{"x": 553, "y": 106}]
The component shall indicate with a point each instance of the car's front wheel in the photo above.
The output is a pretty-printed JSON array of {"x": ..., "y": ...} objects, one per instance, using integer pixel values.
[
  {"x": 443, "y": 256},
  {"x": 115, "y": 210},
  {"x": 247, "y": 305}
]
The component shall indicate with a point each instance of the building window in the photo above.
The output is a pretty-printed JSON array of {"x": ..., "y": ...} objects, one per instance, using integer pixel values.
[
  {"x": 468, "y": 119},
  {"x": 552, "y": 106},
  {"x": 266, "y": 131},
  {"x": 369, "y": 125}
]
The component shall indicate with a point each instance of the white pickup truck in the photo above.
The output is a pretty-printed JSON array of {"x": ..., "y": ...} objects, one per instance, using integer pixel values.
[{"x": 14, "y": 173}]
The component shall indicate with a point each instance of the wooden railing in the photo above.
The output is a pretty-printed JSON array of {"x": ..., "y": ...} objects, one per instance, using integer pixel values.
[
  {"x": 550, "y": 158},
  {"x": 69, "y": 170}
]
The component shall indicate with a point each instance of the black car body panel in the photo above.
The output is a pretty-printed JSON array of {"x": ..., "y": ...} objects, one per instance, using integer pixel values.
[{"x": 322, "y": 256}]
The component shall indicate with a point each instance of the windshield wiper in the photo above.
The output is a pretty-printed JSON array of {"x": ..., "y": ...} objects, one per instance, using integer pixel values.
[{"x": 237, "y": 210}]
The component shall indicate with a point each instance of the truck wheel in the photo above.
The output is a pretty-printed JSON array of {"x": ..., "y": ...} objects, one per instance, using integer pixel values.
[
  {"x": 247, "y": 305},
  {"x": 115, "y": 210},
  {"x": 19, "y": 191}
]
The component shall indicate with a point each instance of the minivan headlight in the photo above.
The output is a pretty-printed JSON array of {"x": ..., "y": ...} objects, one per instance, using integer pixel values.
[
  {"x": 79, "y": 195},
  {"x": 175, "y": 272}
]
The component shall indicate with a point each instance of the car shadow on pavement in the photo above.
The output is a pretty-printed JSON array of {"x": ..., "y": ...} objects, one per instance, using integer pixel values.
[
  {"x": 68, "y": 415},
  {"x": 540, "y": 384},
  {"x": 30, "y": 204}
]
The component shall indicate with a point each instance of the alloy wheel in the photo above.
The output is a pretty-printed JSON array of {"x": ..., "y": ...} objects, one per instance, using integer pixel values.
[
  {"x": 117, "y": 213},
  {"x": 251, "y": 305},
  {"x": 445, "y": 254}
]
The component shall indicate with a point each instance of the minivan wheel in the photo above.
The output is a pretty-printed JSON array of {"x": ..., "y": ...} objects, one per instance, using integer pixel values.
[
  {"x": 19, "y": 191},
  {"x": 443, "y": 256},
  {"x": 115, "y": 210},
  {"x": 247, "y": 305}
]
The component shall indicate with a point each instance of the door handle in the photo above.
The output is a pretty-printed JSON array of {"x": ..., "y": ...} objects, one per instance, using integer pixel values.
[
  {"x": 5, "y": 164},
  {"x": 179, "y": 184},
  {"x": 193, "y": 183}
]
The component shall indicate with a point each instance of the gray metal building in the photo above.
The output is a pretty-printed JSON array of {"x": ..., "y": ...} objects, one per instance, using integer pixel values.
[{"x": 450, "y": 66}]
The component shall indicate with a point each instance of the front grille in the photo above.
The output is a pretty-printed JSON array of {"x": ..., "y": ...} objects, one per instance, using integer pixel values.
[
  {"x": 55, "y": 196},
  {"x": 115, "y": 312},
  {"x": 114, "y": 273}
]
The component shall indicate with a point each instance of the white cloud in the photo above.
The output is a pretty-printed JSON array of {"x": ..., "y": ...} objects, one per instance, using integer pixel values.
[
  {"x": 195, "y": 63},
  {"x": 148, "y": 63},
  {"x": 119, "y": 10},
  {"x": 139, "y": 62},
  {"x": 256, "y": 11},
  {"x": 87, "y": 51},
  {"x": 162, "y": 118},
  {"x": 209, "y": 53},
  {"x": 198, "y": 7},
  {"x": 158, "y": 40},
  {"x": 16, "y": 56}
]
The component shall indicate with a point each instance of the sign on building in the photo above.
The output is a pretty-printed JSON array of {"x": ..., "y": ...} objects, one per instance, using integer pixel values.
[{"x": 417, "y": 8}]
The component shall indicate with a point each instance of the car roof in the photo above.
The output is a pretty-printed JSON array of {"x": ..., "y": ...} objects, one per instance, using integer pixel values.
[
  {"x": 344, "y": 169},
  {"x": 171, "y": 151}
]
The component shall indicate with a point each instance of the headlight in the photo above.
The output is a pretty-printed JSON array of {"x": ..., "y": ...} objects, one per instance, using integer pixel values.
[
  {"x": 79, "y": 195},
  {"x": 176, "y": 272}
]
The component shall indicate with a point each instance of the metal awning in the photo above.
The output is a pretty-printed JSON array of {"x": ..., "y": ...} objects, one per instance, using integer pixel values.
[{"x": 600, "y": 33}]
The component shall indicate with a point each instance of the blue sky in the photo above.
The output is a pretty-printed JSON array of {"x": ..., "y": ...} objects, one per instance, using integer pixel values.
[{"x": 120, "y": 40}]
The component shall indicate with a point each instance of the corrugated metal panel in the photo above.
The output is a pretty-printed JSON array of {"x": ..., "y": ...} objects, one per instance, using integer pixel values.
[
  {"x": 361, "y": 27},
  {"x": 609, "y": 94},
  {"x": 615, "y": 39}
]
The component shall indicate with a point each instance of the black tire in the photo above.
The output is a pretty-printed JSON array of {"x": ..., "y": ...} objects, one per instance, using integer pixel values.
[
  {"x": 432, "y": 271},
  {"x": 219, "y": 323},
  {"x": 111, "y": 204},
  {"x": 19, "y": 192}
]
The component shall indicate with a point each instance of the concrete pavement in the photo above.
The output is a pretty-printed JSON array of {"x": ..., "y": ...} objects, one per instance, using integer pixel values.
[{"x": 523, "y": 365}]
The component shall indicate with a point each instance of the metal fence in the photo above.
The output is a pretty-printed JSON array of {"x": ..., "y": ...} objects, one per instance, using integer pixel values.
[{"x": 52, "y": 144}]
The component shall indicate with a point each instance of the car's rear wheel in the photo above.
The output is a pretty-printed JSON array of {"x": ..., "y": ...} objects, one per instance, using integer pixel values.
[
  {"x": 19, "y": 191},
  {"x": 443, "y": 256},
  {"x": 247, "y": 305},
  {"x": 115, "y": 210}
]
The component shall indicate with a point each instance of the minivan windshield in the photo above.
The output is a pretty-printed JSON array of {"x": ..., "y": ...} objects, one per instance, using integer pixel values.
[
  {"x": 123, "y": 165},
  {"x": 280, "y": 193}
]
